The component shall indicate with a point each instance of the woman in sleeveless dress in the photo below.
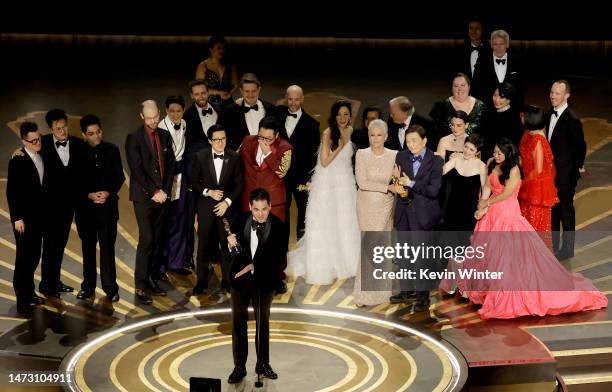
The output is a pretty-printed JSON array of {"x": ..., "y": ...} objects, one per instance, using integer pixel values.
[
  {"x": 452, "y": 145},
  {"x": 534, "y": 282},
  {"x": 220, "y": 76},
  {"x": 330, "y": 247}
]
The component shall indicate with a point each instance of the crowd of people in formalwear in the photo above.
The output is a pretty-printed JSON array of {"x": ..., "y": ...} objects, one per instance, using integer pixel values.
[{"x": 474, "y": 163}]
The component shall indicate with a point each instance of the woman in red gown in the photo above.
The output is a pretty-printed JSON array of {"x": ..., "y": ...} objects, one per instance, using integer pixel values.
[
  {"x": 538, "y": 193},
  {"x": 533, "y": 281}
]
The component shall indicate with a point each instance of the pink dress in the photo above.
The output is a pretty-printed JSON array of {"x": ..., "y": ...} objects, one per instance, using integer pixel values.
[{"x": 534, "y": 282}]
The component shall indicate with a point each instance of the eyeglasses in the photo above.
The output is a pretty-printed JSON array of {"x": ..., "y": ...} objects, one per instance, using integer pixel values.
[
  {"x": 64, "y": 128},
  {"x": 268, "y": 139},
  {"x": 33, "y": 141},
  {"x": 219, "y": 140}
]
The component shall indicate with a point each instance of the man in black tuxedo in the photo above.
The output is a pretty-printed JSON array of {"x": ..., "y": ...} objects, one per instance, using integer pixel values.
[
  {"x": 401, "y": 117},
  {"x": 98, "y": 210},
  {"x": 24, "y": 193},
  {"x": 360, "y": 137},
  {"x": 199, "y": 118},
  {"x": 496, "y": 66},
  {"x": 253, "y": 277},
  {"x": 302, "y": 132},
  {"x": 242, "y": 119},
  {"x": 63, "y": 158},
  {"x": 421, "y": 175},
  {"x": 564, "y": 132},
  {"x": 472, "y": 48},
  {"x": 216, "y": 177},
  {"x": 151, "y": 159}
]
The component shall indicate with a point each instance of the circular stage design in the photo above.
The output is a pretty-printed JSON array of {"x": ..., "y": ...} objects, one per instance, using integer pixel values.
[{"x": 311, "y": 350}]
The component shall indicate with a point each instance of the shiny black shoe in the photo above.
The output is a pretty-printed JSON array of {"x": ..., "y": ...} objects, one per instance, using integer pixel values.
[
  {"x": 113, "y": 297},
  {"x": 62, "y": 288},
  {"x": 37, "y": 300},
  {"x": 143, "y": 297},
  {"x": 282, "y": 287},
  {"x": 84, "y": 294},
  {"x": 181, "y": 271},
  {"x": 265, "y": 370},
  {"x": 421, "y": 306},
  {"x": 155, "y": 289},
  {"x": 403, "y": 296},
  {"x": 237, "y": 375}
]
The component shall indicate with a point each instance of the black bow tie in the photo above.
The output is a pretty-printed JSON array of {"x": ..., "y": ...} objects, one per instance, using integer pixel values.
[
  {"x": 177, "y": 127},
  {"x": 219, "y": 156},
  {"x": 247, "y": 108},
  {"x": 294, "y": 115},
  {"x": 555, "y": 113},
  {"x": 58, "y": 143},
  {"x": 475, "y": 48},
  {"x": 257, "y": 226},
  {"x": 417, "y": 158},
  {"x": 206, "y": 111},
  {"x": 401, "y": 126},
  {"x": 500, "y": 61}
]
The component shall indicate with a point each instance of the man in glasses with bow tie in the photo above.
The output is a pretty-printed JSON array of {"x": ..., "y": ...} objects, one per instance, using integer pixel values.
[
  {"x": 24, "y": 193},
  {"x": 263, "y": 238},
  {"x": 216, "y": 178},
  {"x": 242, "y": 118},
  {"x": 420, "y": 173}
]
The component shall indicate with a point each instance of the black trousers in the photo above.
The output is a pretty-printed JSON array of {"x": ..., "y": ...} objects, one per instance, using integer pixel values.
[
  {"x": 212, "y": 242},
  {"x": 240, "y": 316},
  {"x": 150, "y": 218},
  {"x": 98, "y": 224},
  {"x": 191, "y": 203},
  {"x": 55, "y": 238},
  {"x": 563, "y": 215},
  {"x": 26, "y": 260},
  {"x": 301, "y": 199}
]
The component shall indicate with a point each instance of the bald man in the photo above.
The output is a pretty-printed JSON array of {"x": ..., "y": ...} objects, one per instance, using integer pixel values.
[
  {"x": 151, "y": 160},
  {"x": 302, "y": 132}
]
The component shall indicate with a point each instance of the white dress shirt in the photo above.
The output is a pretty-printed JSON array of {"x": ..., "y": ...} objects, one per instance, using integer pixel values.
[
  {"x": 38, "y": 162},
  {"x": 554, "y": 119},
  {"x": 473, "y": 58},
  {"x": 291, "y": 123},
  {"x": 254, "y": 242},
  {"x": 178, "y": 137},
  {"x": 218, "y": 163},
  {"x": 207, "y": 120},
  {"x": 401, "y": 133},
  {"x": 261, "y": 156},
  {"x": 500, "y": 69},
  {"x": 253, "y": 117},
  {"x": 63, "y": 152}
]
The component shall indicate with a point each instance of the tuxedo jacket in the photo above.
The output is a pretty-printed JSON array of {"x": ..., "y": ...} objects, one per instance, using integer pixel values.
[
  {"x": 270, "y": 254},
  {"x": 485, "y": 79},
  {"x": 235, "y": 123},
  {"x": 145, "y": 179},
  {"x": 270, "y": 175},
  {"x": 393, "y": 142},
  {"x": 63, "y": 187},
  {"x": 422, "y": 209},
  {"x": 202, "y": 176},
  {"x": 464, "y": 56},
  {"x": 24, "y": 191},
  {"x": 102, "y": 171},
  {"x": 305, "y": 141},
  {"x": 568, "y": 147},
  {"x": 195, "y": 136}
]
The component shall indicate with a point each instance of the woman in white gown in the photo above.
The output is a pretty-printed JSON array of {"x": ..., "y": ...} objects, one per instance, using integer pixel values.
[{"x": 330, "y": 247}]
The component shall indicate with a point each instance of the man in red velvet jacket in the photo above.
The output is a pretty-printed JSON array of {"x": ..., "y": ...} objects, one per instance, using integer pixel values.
[{"x": 266, "y": 158}]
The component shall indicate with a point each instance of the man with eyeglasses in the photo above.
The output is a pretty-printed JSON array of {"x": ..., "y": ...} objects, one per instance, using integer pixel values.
[
  {"x": 24, "y": 192},
  {"x": 267, "y": 159},
  {"x": 216, "y": 177}
]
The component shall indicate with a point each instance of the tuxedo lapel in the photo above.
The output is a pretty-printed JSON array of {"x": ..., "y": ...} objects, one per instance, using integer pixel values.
[
  {"x": 147, "y": 142},
  {"x": 264, "y": 238},
  {"x": 224, "y": 169},
  {"x": 247, "y": 236},
  {"x": 424, "y": 166},
  {"x": 210, "y": 163}
]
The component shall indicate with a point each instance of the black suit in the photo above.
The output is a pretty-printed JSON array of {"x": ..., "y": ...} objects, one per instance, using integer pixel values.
[
  {"x": 102, "y": 171},
  {"x": 146, "y": 178},
  {"x": 305, "y": 141},
  {"x": 63, "y": 189},
  {"x": 211, "y": 230},
  {"x": 235, "y": 123},
  {"x": 464, "y": 54},
  {"x": 485, "y": 79},
  {"x": 257, "y": 287},
  {"x": 393, "y": 142},
  {"x": 24, "y": 194},
  {"x": 569, "y": 151},
  {"x": 195, "y": 140}
]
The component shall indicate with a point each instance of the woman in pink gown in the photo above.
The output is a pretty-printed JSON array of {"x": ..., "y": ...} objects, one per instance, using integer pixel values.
[{"x": 534, "y": 282}]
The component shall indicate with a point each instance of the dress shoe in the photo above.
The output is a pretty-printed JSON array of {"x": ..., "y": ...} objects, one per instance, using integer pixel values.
[
  {"x": 155, "y": 289},
  {"x": 421, "y": 306},
  {"x": 113, "y": 297},
  {"x": 181, "y": 271},
  {"x": 237, "y": 375},
  {"x": 402, "y": 296},
  {"x": 144, "y": 297},
  {"x": 62, "y": 288},
  {"x": 199, "y": 288},
  {"x": 189, "y": 264},
  {"x": 50, "y": 294},
  {"x": 266, "y": 371},
  {"x": 282, "y": 287},
  {"x": 84, "y": 294},
  {"x": 37, "y": 300},
  {"x": 160, "y": 276},
  {"x": 25, "y": 310}
]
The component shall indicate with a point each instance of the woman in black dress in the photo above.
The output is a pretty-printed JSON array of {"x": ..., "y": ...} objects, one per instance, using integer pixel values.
[
  {"x": 220, "y": 76},
  {"x": 502, "y": 121}
]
